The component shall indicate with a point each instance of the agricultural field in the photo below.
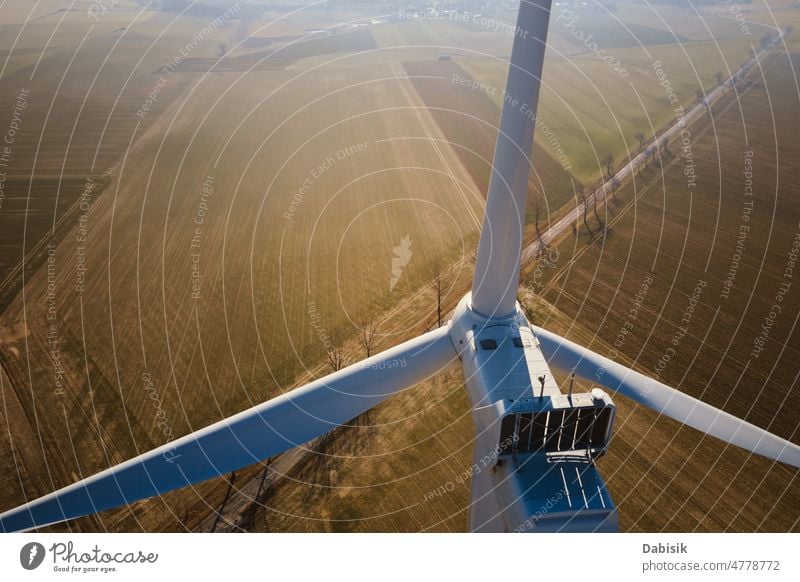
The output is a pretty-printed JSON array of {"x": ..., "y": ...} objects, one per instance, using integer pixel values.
[
  {"x": 468, "y": 118},
  {"x": 289, "y": 205},
  {"x": 698, "y": 23},
  {"x": 202, "y": 255},
  {"x": 590, "y": 109},
  {"x": 197, "y": 210},
  {"x": 718, "y": 319},
  {"x": 70, "y": 115},
  {"x": 600, "y": 88}
]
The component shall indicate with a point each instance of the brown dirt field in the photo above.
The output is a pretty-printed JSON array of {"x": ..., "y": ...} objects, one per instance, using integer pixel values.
[
  {"x": 211, "y": 356},
  {"x": 249, "y": 335},
  {"x": 469, "y": 119},
  {"x": 680, "y": 236}
]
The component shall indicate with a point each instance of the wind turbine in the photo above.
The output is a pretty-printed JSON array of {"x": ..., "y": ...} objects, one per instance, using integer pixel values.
[{"x": 535, "y": 447}]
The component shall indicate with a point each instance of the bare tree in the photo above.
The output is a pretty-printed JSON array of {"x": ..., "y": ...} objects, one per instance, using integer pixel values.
[
  {"x": 700, "y": 94},
  {"x": 258, "y": 501},
  {"x": 367, "y": 338},
  {"x": 640, "y": 137},
  {"x": 719, "y": 77},
  {"x": 649, "y": 155},
  {"x": 438, "y": 287},
  {"x": 609, "y": 162},
  {"x": 614, "y": 188},
  {"x": 336, "y": 359},
  {"x": 542, "y": 245},
  {"x": 596, "y": 215},
  {"x": 582, "y": 195},
  {"x": 224, "y": 501},
  {"x": 665, "y": 146},
  {"x": 263, "y": 483}
]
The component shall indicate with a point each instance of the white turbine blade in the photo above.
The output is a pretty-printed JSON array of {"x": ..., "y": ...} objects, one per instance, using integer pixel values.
[
  {"x": 571, "y": 357},
  {"x": 246, "y": 438},
  {"x": 496, "y": 278}
]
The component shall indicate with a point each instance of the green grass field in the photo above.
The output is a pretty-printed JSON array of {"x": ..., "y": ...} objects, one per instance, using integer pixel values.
[{"x": 592, "y": 110}]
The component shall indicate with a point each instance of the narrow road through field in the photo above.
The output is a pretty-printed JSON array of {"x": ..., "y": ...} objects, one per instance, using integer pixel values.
[{"x": 670, "y": 133}]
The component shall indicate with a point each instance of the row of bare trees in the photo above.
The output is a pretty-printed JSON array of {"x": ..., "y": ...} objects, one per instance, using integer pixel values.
[
  {"x": 367, "y": 339},
  {"x": 368, "y": 334},
  {"x": 663, "y": 146},
  {"x": 590, "y": 201}
]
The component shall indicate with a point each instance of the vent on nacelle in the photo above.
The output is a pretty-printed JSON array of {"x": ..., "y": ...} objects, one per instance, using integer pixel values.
[{"x": 488, "y": 344}]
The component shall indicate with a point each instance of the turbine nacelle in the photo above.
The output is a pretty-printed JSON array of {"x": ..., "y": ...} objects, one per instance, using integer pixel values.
[{"x": 535, "y": 447}]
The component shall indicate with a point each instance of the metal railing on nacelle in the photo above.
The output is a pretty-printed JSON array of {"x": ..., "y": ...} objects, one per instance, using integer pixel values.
[{"x": 566, "y": 428}]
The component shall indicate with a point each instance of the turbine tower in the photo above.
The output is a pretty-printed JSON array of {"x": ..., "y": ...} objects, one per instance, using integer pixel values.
[{"x": 535, "y": 447}]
